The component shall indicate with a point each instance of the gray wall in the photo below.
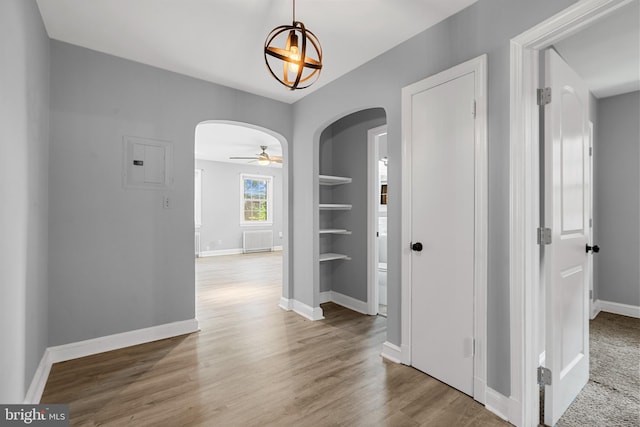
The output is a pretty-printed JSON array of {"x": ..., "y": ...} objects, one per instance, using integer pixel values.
[
  {"x": 24, "y": 169},
  {"x": 221, "y": 204},
  {"x": 347, "y": 145},
  {"x": 617, "y": 209},
  {"x": 118, "y": 260},
  {"x": 485, "y": 27}
]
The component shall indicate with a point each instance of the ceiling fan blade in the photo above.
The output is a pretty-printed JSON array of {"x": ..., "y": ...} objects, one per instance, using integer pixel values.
[{"x": 244, "y": 158}]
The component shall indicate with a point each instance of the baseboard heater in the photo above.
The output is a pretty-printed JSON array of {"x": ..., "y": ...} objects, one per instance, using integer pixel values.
[{"x": 257, "y": 241}]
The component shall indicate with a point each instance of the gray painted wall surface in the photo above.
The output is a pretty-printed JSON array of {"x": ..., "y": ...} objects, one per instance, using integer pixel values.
[
  {"x": 221, "y": 204},
  {"x": 617, "y": 209},
  {"x": 24, "y": 170},
  {"x": 118, "y": 260},
  {"x": 485, "y": 27},
  {"x": 348, "y": 148}
]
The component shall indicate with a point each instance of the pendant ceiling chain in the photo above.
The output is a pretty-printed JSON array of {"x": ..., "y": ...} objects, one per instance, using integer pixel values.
[{"x": 301, "y": 57}]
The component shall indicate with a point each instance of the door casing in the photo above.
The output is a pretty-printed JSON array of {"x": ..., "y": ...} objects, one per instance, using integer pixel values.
[
  {"x": 524, "y": 260},
  {"x": 478, "y": 66}
]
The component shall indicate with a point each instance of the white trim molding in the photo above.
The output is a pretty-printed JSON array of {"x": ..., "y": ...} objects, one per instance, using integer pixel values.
[
  {"x": 344, "y": 300},
  {"x": 373, "y": 203},
  {"x": 93, "y": 346},
  {"x": 286, "y": 304},
  {"x": 524, "y": 262},
  {"x": 391, "y": 352},
  {"x": 306, "y": 311},
  {"x": 220, "y": 252},
  {"x": 497, "y": 403},
  {"x": 477, "y": 66},
  {"x": 617, "y": 308}
]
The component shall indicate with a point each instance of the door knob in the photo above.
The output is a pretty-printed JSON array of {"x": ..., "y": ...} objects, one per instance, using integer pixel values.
[
  {"x": 595, "y": 248},
  {"x": 416, "y": 247}
]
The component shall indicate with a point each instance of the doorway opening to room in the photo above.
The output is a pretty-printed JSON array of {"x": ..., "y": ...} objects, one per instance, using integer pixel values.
[
  {"x": 240, "y": 217},
  {"x": 348, "y": 209},
  {"x": 582, "y": 145}
]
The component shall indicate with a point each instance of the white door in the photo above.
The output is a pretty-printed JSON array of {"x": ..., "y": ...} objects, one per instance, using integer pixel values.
[
  {"x": 442, "y": 221},
  {"x": 566, "y": 214}
]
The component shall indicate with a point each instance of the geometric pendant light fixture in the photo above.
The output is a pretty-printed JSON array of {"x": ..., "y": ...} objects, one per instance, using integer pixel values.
[{"x": 297, "y": 64}]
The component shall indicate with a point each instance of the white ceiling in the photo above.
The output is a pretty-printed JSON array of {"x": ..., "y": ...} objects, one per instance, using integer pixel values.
[
  {"x": 219, "y": 141},
  {"x": 607, "y": 53},
  {"x": 222, "y": 40}
]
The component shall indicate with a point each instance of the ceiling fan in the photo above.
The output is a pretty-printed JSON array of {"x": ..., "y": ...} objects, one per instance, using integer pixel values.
[{"x": 262, "y": 158}]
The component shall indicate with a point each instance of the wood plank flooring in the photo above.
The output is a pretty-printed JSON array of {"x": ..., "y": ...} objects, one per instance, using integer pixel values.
[{"x": 253, "y": 364}]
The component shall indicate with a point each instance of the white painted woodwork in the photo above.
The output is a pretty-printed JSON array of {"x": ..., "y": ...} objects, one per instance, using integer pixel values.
[
  {"x": 567, "y": 214},
  {"x": 330, "y": 256},
  {"x": 334, "y": 207},
  {"x": 442, "y": 218},
  {"x": 333, "y": 180}
]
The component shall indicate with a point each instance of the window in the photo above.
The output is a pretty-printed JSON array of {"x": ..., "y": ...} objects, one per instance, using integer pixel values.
[{"x": 255, "y": 199}]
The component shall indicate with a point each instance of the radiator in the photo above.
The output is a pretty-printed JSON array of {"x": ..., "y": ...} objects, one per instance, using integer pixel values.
[
  {"x": 197, "y": 243},
  {"x": 257, "y": 241}
]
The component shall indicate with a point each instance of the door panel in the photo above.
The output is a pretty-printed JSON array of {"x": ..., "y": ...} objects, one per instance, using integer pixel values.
[
  {"x": 567, "y": 204},
  {"x": 442, "y": 212}
]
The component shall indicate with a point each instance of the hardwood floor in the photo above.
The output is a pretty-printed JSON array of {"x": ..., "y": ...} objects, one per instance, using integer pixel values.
[{"x": 253, "y": 364}]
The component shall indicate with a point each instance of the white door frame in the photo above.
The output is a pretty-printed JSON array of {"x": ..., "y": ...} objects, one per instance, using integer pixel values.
[
  {"x": 373, "y": 291},
  {"x": 524, "y": 259},
  {"x": 479, "y": 67}
]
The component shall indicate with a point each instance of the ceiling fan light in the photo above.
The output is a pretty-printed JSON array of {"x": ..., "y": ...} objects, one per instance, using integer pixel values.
[{"x": 263, "y": 162}]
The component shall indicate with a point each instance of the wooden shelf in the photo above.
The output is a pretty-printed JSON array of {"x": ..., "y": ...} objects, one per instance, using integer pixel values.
[
  {"x": 334, "y": 207},
  {"x": 333, "y": 180},
  {"x": 331, "y": 257},
  {"x": 334, "y": 231}
]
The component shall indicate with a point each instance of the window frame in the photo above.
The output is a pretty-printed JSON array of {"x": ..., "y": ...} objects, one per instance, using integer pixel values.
[{"x": 269, "y": 180}]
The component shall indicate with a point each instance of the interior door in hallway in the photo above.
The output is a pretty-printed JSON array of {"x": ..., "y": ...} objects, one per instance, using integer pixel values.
[
  {"x": 566, "y": 199},
  {"x": 442, "y": 228}
]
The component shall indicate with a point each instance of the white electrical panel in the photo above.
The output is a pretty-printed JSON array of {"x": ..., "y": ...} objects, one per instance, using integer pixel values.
[{"x": 148, "y": 163}]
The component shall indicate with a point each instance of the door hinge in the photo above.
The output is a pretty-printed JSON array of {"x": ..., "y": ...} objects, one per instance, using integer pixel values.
[
  {"x": 590, "y": 222},
  {"x": 473, "y": 109},
  {"x": 544, "y": 376},
  {"x": 544, "y": 96},
  {"x": 544, "y": 236},
  {"x": 591, "y": 151},
  {"x": 591, "y": 294}
]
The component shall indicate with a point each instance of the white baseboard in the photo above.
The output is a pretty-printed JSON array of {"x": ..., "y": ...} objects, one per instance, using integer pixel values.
[
  {"x": 286, "y": 304},
  {"x": 345, "y": 301},
  {"x": 78, "y": 349},
  {"x": 39, "y": 381},
  {"x": 497, "y": 403},
  {"x": 304, "y": 310},
  {"x": 220, "y": 252},
  {"x": 278, "y": 248},
  {"x": 617, "y": 308},
  {"x": 325, "y": 297},
  {"x": 391, "y": 352},
  {"x": 349, "y": 302}
]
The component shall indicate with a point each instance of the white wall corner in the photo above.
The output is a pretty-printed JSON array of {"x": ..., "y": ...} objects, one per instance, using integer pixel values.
[
  {"x": 349, "y": 302},
  {"x": 617, "y": 308},
  {"x": 325, "y": 297},
  {"x": 304, "y": 310},
  {"x": 85, "y": 348},
  {"x": 39, "y": 381},
  {"x": 391, "y": 352}
]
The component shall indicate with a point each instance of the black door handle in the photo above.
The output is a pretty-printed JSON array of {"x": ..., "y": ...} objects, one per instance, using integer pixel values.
[
  {"x": 595, "y": 248},
  {"x": 416, "y": 247}
]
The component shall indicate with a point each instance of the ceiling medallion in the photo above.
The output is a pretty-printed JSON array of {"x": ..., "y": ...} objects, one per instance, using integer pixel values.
[{"x": 301, "y": 57}]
